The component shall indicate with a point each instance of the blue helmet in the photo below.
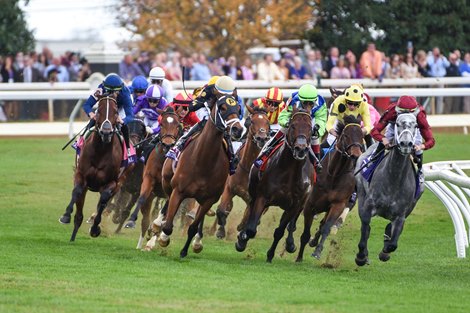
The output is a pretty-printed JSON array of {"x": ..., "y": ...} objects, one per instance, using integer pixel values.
[
  {"x": 139, "y": 84},
  {"x": 113, "y": 82}
]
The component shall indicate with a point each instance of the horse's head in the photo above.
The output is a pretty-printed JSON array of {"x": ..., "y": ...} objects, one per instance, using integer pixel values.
[
  {"x": 170, "y": 128},
  {"x": 299, "y": 133},
  {"x": 136, "y": 130},
  {"x": 350, "y": 137},
  {"x": 106, "y": 118},
  {"x": 258, "y": 126},
  {"x": 224, "y": 115},
  {"x": 405, "y": 131}
]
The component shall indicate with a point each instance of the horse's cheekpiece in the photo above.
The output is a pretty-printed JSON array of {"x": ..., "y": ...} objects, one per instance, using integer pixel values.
[{"x": 231, "y": 101}]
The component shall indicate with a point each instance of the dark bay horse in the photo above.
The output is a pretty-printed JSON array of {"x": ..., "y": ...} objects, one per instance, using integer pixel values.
[
  {"x": 202, "y": 170},
  {"x": 286, "y": 182},
  {"x": 334, "y": 184},
  {"x": 98, "y": 167},
  {"x": 392, "y": 192},
  {"x": 170, "y": 131},
  {"x": 237, "y": 184}
]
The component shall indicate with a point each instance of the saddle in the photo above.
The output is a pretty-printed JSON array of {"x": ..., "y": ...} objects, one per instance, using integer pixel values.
[{"x": 262, "y": 168}]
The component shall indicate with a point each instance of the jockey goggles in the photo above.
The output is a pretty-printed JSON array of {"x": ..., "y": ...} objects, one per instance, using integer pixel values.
[
  {"x": 139, "y": 90},
  {"x": 273, "y": 103},
  {"x": 157, "y": 81},
  {"x": 153, "y": 100},
  {"x": 354, "y": 103}
]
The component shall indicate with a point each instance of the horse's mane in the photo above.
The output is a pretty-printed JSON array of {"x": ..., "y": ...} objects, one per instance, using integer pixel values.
[
  {"x": 168, "y": 109},
  {"x": 259, "y": 110},
  {"x": 348, "y": 119}
]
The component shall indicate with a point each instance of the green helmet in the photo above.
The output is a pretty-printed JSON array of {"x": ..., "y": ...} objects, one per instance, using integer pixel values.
[{"x": 308, "y": 93}]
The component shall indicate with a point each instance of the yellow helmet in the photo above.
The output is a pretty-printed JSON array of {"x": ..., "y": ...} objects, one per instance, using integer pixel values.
[
  {"x": 213, "y": 80},
  {"x": 354, "y": 94}
]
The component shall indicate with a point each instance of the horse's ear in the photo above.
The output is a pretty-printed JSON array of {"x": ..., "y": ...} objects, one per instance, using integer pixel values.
[
  {"x": 334, "y": 93},
  {"x": 250, "y": 109}
]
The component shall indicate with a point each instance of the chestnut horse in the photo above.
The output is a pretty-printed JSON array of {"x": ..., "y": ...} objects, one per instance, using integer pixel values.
[
  {"x": 99, "y": 166},
  {"x": 237, "y": 184},
  {"x": 334, "y": 184},
  {"x": 285, "y": 182},
  {"x": 202, "y": 170},
  {"x": 170, "y": 131}
]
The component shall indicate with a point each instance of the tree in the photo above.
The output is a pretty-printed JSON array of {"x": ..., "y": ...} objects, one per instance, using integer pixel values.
[
  {"x": 14, "y": 34},
  {"x": 218, "y": 28}
]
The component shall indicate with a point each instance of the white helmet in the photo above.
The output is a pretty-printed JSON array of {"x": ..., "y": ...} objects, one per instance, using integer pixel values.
[
  {"x": 225, "y": 85},
  {"x": 157, "y": 73}
]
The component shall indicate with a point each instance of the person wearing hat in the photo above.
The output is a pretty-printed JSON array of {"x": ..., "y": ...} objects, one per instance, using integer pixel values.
[
  {"x": 306, "y": 98},
  {"x": 149, "y": 106},
  {"x": 181, "y": 106},
  {"x": 157, "y": 77},
  {"x": 273, "y": 103},
  {"x": 223, "y": 85}
]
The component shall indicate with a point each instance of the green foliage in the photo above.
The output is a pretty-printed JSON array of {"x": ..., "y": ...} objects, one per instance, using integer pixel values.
[
  {"x": 41, "y": 271},
  {"x": 14, "y": 34}
]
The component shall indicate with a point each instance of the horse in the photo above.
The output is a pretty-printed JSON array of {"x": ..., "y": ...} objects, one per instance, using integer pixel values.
[
  {"x": 286, "y": 182},
  {"x": 99, "y": 166},
  {"x": 334, "y": 185},
  {"x": 237, "y": 184},
  {"x": 201, "y": 171},
  {"x": 392, "y": 192},
  {"x": 170, "y": 130}
]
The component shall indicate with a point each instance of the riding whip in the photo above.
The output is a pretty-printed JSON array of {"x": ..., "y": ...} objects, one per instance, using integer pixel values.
[
  {"x": 73, "y": 138},
  {"x": 369, "y": 162}
]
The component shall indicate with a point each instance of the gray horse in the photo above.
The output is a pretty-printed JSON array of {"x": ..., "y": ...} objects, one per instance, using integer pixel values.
[{"x": 391, "y": 193}]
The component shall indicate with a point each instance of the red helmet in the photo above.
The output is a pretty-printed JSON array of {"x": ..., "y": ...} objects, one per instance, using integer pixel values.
[
  {"x": 183, "y": 99},
  {"x": 406, "y": 104}
]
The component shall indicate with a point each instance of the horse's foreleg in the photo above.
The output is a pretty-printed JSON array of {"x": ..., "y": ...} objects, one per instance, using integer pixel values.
[
  {"x": 145, "y": 192},
  {"x": 250, "y": 222},
  {"x": 197, "y": 242},
  {"x": 125, "y": 211},
  {"x": 291, "y": 227},
  {"x": 279, "y": 233},
  {"x": 363, "y": 253},
  {"x": 78, "y": 189},
  {"x": 223, "y": 210},
  {"x": 314, "y": 241},
  {"x": 305, "y": 237},
  {"x": 78, "y": 219},
  {"x": 167, "y": 229},
  {"x": 105, "y": 196},
  {"x": 392, "y": 244},
  {"x": 196, "y": 225},
  {"x": 333, "y": 214}
]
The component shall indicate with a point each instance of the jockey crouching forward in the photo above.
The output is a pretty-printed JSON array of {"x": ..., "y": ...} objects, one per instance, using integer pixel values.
[
  {"x": 149, "y": 106},
  {"x": 181, "y": 106},
  {"x": 208, "y": 94},
  {"x": 138, "y": 87},
  {"x": 405, "y": 104},
  {"x": 273, "y": 103},
  {"x": 306, "y": 98},
  {"x": 113, "y": 86}
]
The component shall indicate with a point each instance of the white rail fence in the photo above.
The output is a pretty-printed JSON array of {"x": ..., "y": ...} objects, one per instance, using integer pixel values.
[{"x": 448, "y": 181}]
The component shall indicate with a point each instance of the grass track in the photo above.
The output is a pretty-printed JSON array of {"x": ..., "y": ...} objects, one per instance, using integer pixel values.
[{"x": 41, "y": 271}]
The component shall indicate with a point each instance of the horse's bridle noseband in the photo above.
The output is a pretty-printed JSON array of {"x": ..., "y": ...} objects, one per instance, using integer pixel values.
[
  {"x": 310, "y": 126},
  {"x": 344, "y": 151}
]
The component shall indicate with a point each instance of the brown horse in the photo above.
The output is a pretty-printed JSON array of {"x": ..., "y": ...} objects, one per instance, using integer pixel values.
[
  {"x": 99, "y": 166},
  {"x": 334, "y": 184},
  {"x": 285, "y": 182},
  {"x": 202, "y": 170},
  {"x": 170, "y": 130},
  {"x": 237, "y": 184}
]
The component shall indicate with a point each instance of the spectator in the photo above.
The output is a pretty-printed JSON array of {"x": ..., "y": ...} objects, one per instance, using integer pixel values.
[
  {"x": 73, "y": 67},
  {"x": 352, "y": 65},
  {"x": 187, "y": 62},
  {"x": 438, "y": 64},
  {"x": 9, "y": 75},
  {"x": 56, "y": 72},
  {"x": 41, "y": 63},
  {"x": 231, "y": 69},
  {"x": 298, "y": 70},
  {"x": 247, "y": 69},
  {"x": 30, "y": 74},
  {"x": 331, "y": 60},
  {"x": 144, "y": 63},
  {"x": 459, "y": 56},
  {"x": 409, "y": 69},
  {"x": 85, "y": 70},
  {"x": 321, "y": 63},
  {"x": 200, "y": 69},
  {"x": 284, "y": 67},
  {"x": 371, "y": 62},
  {"x": 268, "y": 70},
  {"x": 394, "y": 70},
  {"x": 128, "y": 69},
  {"x": 174, "y": 71},
  {"x": 340, "y": 71},
  {"x": 453, "y": 104},
  {"x": 422, "y": 62},
  {"x": 465, "y": 71}
]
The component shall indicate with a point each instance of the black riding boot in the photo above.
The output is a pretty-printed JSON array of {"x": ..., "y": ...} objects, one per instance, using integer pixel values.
[
  {"x": 232, "y": 158},
  {"x": 369, "y": 141},
  {"x": 179, "y": 146},
  {"x": 419, "y": 164},
  {"x": 125, "y": 134}
]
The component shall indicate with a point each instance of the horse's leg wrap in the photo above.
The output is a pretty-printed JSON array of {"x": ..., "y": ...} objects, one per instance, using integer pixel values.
[{"x": 233, "y": 160}]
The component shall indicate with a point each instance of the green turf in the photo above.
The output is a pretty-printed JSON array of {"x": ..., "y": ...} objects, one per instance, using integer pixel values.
[{"x": 41, "y": 271}]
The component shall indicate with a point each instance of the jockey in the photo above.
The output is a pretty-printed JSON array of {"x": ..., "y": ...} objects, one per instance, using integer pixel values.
[
  {"x": 149, "y": 106},
  {"x": 273, "y": 103},
  {"x": 138, "y": 87},
  {"x": 350, "y": 103},
  {"x": 306, "y": 98},
  {"x": 405, "y": 104},
  {"x": 374, "y": 118},
  {"x": 209, "y": 94},
  {"x": 113, "y": 85},
  {"x": 181, "y": 106},
  {"x": 157, "y": 77}
]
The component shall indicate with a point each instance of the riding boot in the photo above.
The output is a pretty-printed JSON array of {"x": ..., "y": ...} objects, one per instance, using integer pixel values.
[
  {"x": 380, "y": 147},
  {"x": 268, "y": 147},
  {"x": 232, "y": 158},
  {"x": 419, "y": 165},
  {"x": 175, "y": 151},
  {"x": 369, "y": 141},
  {"x": 125, "y": 134}
]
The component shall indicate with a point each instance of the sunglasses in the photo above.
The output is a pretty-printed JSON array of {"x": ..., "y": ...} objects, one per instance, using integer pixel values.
[
  {"x": 309, "y": 103},
  {"x": 273, "y": 103},
  {"x": 153, "y": 100},
  {"x": 184, "y": 108},
  {"x": 139, "y": 90},
  {"x": 157, "y": 81},
  {"x": 354, "y": 103}
]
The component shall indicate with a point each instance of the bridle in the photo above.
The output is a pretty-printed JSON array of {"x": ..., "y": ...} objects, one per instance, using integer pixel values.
[
  {"x": 344, "y": 150},
  {"x": 310, "y": 127},
  {"x": 107, "y": 123},
  {"x": 261, "y": 130}
]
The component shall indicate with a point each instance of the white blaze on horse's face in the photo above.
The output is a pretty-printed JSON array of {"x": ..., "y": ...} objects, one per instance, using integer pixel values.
[
  {"x": 405, "y": 132},
  {"x": 169, "y": 119}
]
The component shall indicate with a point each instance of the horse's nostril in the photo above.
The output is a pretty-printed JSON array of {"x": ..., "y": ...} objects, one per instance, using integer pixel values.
[{"x": 410, "y": 144}]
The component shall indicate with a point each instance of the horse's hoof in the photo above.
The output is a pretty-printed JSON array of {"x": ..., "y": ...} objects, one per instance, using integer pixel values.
[
  {"x": 269, "y": 259},
  {"x": 312, "y": 243},
  {"x": 299, "y": 260},
  {"x": 130, "y": 224},
  {"x": 64, "y": 219},
  {"x": 95, "y": 231},
  {"x": 240, "y": 246},
  {"x": 197, "y": 248},
  {"x": 183, "y": 254},
  {"x": 291, "y": 248},
  {"x": 163, "y": 243},
  {"x": 115, "y": 218},
  {"x": 210, "y": 213},
  {"x": 316, "y": 255},
  {"x": 220, "y": 234},
  {"x": 362, "y": 262},
  {"x": 156, "y": 229},
  {"x": 384, "y": 257}
]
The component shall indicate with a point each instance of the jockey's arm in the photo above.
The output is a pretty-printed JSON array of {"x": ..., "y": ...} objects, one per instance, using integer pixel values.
[
  {"x": 386, "y": 118},
  {"x": 333, "y": 116},
  {"x": 127, "y": 105},
  {"x": 365, "y": 114},
  {"x": 88, "y": 105},
  {"x": 425, "y": 130},
  {"x": 284, "y": 117},
  {"x": 320, "y": 120}
]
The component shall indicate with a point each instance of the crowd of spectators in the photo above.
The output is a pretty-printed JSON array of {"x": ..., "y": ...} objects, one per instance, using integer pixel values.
[{"x": 372, "y": 63}]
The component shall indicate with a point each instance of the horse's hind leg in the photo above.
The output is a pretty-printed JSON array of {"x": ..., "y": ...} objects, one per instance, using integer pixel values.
[
  {"x": 105, "y": 196},
  {"x": 223, "y": 210},
  {"x": 304, "y": 238},
  {"x": 335, "y": 211},
  {"x": 279, "y": 233},
  {"x": 392, "y": 244},
  {"x": 78, "y": 219},
  {"x": 167, "y": 229},
  {"x": 363, "y": 253},
  {"x": 314, "y": 241},
  {"x": 291, "y": 227},
  {"x": 77, "y": 192},
  {"x": 194, "y": 227},
  {"x": 124, "y": 212},
  {"x": 197, "y": 242}
]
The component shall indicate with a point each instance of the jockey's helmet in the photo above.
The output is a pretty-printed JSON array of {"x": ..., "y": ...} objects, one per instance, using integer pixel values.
[
  {"x": 140, "y": 84},
  {"x": 225, "y": 85},
  {"x": 154, "y": 94},
  {"x": 406, "y": 104},
  {"x": 354, "y": 95},
  {"x": 157, "y": 73},
  {"x": 213, "y": 80},
  {"x": 274, "y": 95},
  {"x": 112, "y": 82},
  {"x": 308, "y": 93},
  {"x": 183, "y": 99}
]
